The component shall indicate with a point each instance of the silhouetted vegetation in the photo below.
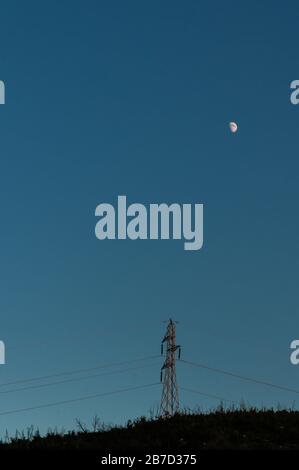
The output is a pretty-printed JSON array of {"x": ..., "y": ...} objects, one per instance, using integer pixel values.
[{"x": 242, "y": 428}]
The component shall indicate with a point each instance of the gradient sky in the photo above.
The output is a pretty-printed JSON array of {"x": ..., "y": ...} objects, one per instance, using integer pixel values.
[{"x": 134, "y": 98}]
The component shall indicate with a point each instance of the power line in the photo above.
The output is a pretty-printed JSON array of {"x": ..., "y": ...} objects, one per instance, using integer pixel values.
[
  {"x": 242, "y": 377},
  {"x": 204, "y": 394},
  {"x": 89, "y": 397},
  {"x": 76, "y": 379},
  {"x": 77, "y": 371}
]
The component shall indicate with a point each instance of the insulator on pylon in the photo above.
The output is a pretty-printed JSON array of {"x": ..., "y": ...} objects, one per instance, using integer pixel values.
[
  {"x": 179, "y": 352},
  {"x": 161, "y": 376},
  {"x": 161, "y": 349}
]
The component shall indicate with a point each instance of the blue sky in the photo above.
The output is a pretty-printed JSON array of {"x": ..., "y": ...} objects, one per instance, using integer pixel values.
[{"x": 135, "y": 98}]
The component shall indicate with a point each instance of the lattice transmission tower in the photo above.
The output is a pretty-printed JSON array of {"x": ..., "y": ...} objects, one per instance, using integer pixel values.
[{"x": 170, "y": 395}]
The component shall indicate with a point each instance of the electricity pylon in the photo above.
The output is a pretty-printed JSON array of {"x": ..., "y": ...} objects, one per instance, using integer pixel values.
[{"x": 170, "y": 395}]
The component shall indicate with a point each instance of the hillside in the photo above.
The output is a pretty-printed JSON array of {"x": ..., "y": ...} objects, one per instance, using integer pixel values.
[{"x": 221, "y": 429}]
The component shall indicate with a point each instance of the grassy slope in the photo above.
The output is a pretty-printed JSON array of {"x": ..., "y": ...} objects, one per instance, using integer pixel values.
[{"x": 221, "y": 429}]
